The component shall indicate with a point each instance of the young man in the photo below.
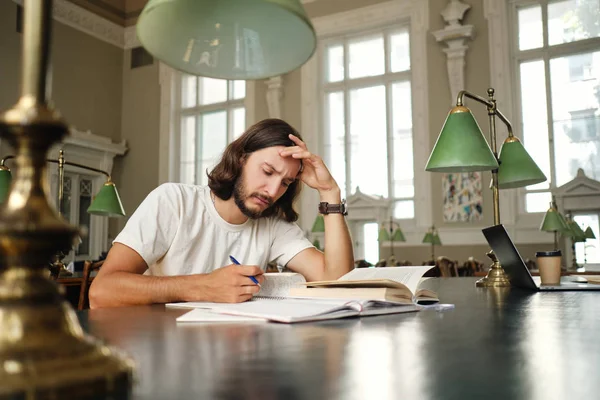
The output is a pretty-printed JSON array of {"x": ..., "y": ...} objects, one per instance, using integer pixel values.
[{"x": 177, "y": 245}]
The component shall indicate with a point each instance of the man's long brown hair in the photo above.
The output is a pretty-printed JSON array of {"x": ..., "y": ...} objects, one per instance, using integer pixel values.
[{"x": 263, "y": 134}]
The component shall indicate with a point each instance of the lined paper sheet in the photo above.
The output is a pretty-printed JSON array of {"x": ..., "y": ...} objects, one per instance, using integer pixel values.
[{"x": 203, "y": 315}]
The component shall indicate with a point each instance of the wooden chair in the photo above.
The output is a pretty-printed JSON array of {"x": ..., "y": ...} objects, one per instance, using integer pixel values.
[
  {"x": 472, "y": 266},
  {"x": 88, "y": 267},
  {"x": 447, "y": 267}
]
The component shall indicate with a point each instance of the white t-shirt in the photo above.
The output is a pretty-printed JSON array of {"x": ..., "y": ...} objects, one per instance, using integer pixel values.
[{"x": 178, "y": 231}]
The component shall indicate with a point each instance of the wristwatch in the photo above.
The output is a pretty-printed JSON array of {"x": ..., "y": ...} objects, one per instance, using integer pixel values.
[{"x": 326, "y": 208}]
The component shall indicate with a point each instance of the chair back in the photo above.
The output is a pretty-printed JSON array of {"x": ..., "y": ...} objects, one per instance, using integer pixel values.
[
  {"x": 446, "y": 266},
  {"x": 88, "y": 267}
]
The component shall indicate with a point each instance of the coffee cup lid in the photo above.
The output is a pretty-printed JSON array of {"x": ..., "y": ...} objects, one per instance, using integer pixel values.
[{"x": 554, "y": 253}]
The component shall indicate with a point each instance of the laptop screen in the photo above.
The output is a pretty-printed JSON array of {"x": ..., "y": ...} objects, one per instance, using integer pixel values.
[{"x": 509, "y": 257}]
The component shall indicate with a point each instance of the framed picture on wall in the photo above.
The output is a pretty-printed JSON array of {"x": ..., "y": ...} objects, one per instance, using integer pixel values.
[{"x": 463, "y": 201}]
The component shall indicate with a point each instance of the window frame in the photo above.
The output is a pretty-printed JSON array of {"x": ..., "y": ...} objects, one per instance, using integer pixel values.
[
  {"x": 387, "y": 79},
  {"x": 180, "y": 112},
  {"x": 545, "y": 53}
]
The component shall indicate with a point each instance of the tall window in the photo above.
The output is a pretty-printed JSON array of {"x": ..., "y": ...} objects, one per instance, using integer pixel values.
[
  {"x": 211, "y": 115},
  {"x": 557, "y": 53},
  {"x": 77, "y": 197},
  {"x": 368, "y": 115}
]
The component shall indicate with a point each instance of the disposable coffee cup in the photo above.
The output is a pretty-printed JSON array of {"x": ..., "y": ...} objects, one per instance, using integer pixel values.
[{"x": 549, "y": 265}]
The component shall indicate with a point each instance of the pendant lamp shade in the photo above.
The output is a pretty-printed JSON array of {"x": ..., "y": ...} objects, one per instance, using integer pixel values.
[
  {"x": 319, "y": 224},
  {"x": 589, "y": 233},
  {"x": 552, "y": 221},
  {"x": 5, "y": 180},
  {"x": 107, "y": 202},
  {"x": 517, "y": 168},
  {"x": 383, "y": 235},
  {"x": 228, "y": 39},
  {"x": 398, "y": 236},
  {"x": 577, "y": 234},
  {"x": 461, "y": 146}
]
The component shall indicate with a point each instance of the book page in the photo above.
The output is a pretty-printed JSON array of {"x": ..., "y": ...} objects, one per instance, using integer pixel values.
[
  {"x": 409, "y": 276},
  {"x": 278, "y": 284},
  {"x": 289, "y": 310}
]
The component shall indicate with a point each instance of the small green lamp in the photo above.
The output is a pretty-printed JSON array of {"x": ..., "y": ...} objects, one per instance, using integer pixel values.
[
  {"x": 517, "y": 168},
  {"x": 589, "y": 233},
  {"x": 5, "y": 180},
  {"x": 433, "y": 239},
  {"x": 553, "y": 222},
  {"x": 228, "y": 39},
  {"x": 107, "y": 202}
]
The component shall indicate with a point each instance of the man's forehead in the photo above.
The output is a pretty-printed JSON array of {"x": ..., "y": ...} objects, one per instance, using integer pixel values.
[{"x": 286, "y": 165}]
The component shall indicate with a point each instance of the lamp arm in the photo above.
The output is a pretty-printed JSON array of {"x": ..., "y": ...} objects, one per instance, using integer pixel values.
[
  {"x": 506, "y": 122},
  {"x": 465, "y": 93},
  {"x": 54, "y": 161},
  {"x": 81, "y": 166}
]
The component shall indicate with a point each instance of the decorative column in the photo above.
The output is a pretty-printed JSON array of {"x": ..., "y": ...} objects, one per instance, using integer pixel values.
[
  {"x": 454, "y": 36},
  {"x": 274, "y": 96}
]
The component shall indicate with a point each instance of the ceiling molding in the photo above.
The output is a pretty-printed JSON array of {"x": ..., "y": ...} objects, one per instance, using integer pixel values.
[{"x": 86, "y": 21}]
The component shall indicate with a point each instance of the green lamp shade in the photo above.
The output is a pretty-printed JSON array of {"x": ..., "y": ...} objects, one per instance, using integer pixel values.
[
  {"x": 5, "y": 180},
  {"x": 565, "y": 230},
  {"x": 383, "y": 235},
  {"x": 577, "y": 234},
  {"x": 398, "y": 236},
  {"x": 517, "y": 168},
  {"x": 228, "y": 39},
  {"x": 319, "y": 224},
  {"x": 589, "y": 233},
  {"x": 432, "y": 238},
  {"x": 461, "y": 146},
  {"x": 107, "y": 202},
  {"x": 552, "y": 221}
]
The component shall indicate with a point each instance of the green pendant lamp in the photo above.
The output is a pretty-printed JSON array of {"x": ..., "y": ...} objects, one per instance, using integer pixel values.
[
  {"x": 318, "y": 225},
  {"x": 552, "y": 221},
  {"x": 5, "y": 180},
  {"x": 517, "y": 168},
  {"x": 383, "y": 235},
  {"x": 107, "y": 202},
  {"x": 461, "y": 147},
  {"x": 398, "y": 236},
  {"x": 577, "y": 234},
  {"x": 589, "y": 233},
  {"x": 228, "y": 39}
]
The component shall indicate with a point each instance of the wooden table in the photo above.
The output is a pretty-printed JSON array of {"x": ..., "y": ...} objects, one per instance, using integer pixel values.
[{"x": 496, "y": 344}]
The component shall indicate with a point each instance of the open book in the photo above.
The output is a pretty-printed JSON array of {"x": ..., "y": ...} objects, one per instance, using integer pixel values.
[{"x": 287, "y": 297}]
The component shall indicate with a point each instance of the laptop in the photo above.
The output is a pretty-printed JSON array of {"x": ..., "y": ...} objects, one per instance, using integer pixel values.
[{"x": 517, "y": 271}]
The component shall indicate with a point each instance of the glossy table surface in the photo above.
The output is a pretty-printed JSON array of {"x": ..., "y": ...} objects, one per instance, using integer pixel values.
[{"x": 496, "y": 344}]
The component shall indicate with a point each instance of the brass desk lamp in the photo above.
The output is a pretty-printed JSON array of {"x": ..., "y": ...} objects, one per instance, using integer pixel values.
[
  {"x": 461, "y": 147},
  {"x": 105, "y": 203},
  {"x": 432, "y": 237},
  {"x": 392, "y": 233},
  {"x": 43, "y": 349}
]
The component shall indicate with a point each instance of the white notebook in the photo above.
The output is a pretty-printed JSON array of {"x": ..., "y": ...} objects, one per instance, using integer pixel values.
[{"x": 274, "y": 302}]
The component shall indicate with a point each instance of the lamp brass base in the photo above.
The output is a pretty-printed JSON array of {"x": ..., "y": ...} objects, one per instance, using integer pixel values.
[
  {"x": 45, "y": 353},
  {"x": 496, "y": 276}
]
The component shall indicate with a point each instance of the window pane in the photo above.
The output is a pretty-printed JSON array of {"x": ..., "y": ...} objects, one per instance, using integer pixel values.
[
  {"x": 400, "y": 51},
  {"x": 213, "y": 139},
  {"x": 575, "y": 102},
  {"x": 189, "y": 91},
  {"x": 188, "y": 150},
  {"x": 530, "y": 28},
  {"x": 573, "y": 20},
  {"x": 590, "y": 249},
  {"x": 65, "y": 207},
  {"x": 534, "y": 112},
  {"x": 212, "y": 91},
  {"x": 366, "y": 57},
  {"x": 402, "y": 140},
  {"x": 334, "y": 138},
  {"x": 537, "y": 202},
  {"x": 239, "y": 89},
  {"x": 85, "y": 199},
  {"x": 368, "y": 140},
  {"x": 404, "y": 209},
  {"x": 239, "y": 121},
  {"x": 371, "y": 245},
  {"x": 335, "y": 63}
]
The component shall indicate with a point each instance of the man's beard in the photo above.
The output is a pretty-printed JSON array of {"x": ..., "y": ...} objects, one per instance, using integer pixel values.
[{"x": 240, "y": 197}]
